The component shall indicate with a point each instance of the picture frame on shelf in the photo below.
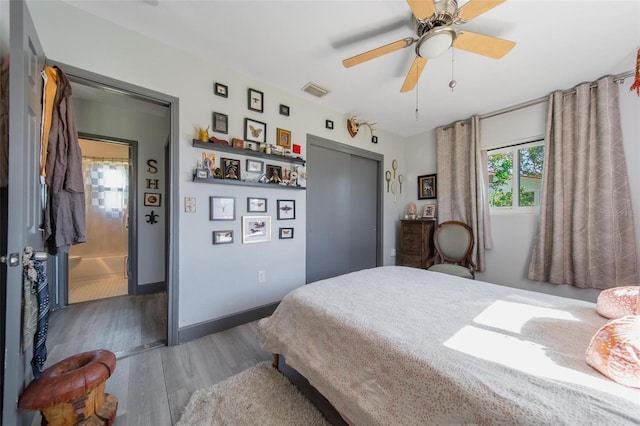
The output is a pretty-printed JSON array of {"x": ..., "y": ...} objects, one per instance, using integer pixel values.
[
  {"x": 429, "y": 211},
  {"x": 221, "y": 90},
  {"x": 427, "y": 186},
  {"x": 256, "y": 229},
  {"x": 255, "y": 100},
  {"x": 254, "y": 166},
  {"x": 255, "y": 131},
  {"x": 256, "y": 205},
  {"x": 152, "y": 199},
  {"x": 220, "y": 122},
  {"x": 222, "y": 208},
  {"x": 203, "y": 173},
  {"x": 274, "y": 173},
  {"x": 284, "y": 110},
  {"x": 209, "y": 161},
  {"x": 283, "y": 138},
  {"x": 230, "y": 168},
  {"x": 286, "y": 209},
  {"x": 223, "y": 237},
  {"x": 285, "y": 233}
]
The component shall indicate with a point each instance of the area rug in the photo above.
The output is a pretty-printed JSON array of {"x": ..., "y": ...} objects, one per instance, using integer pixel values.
[{"x": 259, "y": 395}]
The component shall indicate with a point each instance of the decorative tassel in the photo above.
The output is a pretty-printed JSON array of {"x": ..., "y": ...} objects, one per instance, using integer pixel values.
[{"x": 636, "y": 84}]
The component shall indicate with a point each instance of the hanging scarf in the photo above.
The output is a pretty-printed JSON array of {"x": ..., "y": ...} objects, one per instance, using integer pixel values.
[
  {"x": 29, "y": 300},
  {"x": 40, "y": 288},
  {"x": 636, "y": 84}
]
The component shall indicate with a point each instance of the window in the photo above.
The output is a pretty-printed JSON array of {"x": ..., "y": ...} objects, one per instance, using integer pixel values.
[{"x": 525, "y": 162}]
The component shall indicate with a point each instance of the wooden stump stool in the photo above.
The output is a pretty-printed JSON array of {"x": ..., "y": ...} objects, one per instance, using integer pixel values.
[{"x": 71, "y": 392}]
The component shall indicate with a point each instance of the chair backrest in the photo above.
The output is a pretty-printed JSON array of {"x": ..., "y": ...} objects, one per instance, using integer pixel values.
[{"x": 453, "y": 241}]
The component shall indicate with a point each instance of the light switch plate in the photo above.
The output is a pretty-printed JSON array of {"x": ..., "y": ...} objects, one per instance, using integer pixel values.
[{"x": 190, "y": 204}]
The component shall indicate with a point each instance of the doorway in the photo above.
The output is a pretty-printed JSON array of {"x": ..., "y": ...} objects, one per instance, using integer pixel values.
[{"x": 103, "y": 266}]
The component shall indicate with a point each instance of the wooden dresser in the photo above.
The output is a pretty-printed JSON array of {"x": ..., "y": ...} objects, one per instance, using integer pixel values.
[{"x": 416, "y": 242}]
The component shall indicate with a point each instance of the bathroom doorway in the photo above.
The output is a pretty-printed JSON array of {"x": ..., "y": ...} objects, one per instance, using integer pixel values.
[{"x": 103, "y": 266}]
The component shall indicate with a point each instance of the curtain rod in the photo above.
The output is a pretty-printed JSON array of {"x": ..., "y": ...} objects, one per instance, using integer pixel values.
[{"x": 617, "y": 78}]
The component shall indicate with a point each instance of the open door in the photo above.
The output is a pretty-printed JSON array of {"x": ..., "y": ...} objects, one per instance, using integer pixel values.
[{"x": 24, "y": 207}]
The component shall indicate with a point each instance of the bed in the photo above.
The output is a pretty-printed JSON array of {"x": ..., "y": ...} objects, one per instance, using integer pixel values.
[{"x": 401, "y": 346}]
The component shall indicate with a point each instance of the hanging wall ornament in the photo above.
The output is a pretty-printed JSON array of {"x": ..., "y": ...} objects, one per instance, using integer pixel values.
[
  {"x": 152, "y": 217},
  {"x": 636, "y": 84}
]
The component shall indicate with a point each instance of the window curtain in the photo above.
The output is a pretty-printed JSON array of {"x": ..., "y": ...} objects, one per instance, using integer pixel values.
[
  {"x": 462, "y": 182},
  {"x": 107, "y": 186},
  {"x": 586, "y": 235}
]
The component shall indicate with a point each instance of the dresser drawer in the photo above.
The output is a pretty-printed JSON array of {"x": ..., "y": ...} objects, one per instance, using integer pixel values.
[
  {"x": 414, "y": 261},
  {"x": 412, "y": 239},
  {"x": 412, "y": 229},
  {"x": 412, "y": 247}
]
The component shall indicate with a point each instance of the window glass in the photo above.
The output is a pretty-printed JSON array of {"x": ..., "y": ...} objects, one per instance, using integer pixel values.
[{"x": 524, "y": 161}]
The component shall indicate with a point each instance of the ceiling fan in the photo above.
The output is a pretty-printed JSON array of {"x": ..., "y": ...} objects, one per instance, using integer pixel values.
[{"x": 434, "y": 21}]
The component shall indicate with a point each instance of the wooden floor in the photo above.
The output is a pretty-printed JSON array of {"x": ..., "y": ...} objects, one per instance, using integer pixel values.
[
  {"x": 153, "y": 387},
  {"x": 117, "y": 324}
]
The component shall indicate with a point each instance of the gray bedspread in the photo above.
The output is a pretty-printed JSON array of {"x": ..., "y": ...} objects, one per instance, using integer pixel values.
[{"x": 403, "y": 346}]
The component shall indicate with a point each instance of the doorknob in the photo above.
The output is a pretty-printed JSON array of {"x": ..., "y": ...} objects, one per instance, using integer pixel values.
[{"x": 12, "y": 259}]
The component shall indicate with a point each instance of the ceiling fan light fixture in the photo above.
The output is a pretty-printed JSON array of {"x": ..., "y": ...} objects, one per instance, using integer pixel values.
[{"x": 435, "y": 42}]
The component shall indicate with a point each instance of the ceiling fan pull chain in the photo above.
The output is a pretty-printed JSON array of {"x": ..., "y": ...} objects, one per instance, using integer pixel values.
[
  {"x": 453, "y": 82},
  {"x": 417, "y": 75}
]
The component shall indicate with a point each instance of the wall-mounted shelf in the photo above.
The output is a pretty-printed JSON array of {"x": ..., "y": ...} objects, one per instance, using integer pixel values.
[
  {"x": 245, "y": 183},
  {"x": 225, "y": 148}
]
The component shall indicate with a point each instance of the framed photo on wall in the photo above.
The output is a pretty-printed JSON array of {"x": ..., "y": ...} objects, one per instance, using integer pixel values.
[
  {"x": 255, "y": 100},
  {"x": 285, "y": 233},
  {"x": 256, "y": 205},
  {"x": 222, "y": 237},
  {"x": 256, "y": 229},
  {"x": 286, "y": 209},
  {"x": 220, "y": 122},
  {"x": 221, "y": 90},
  {"x": 222, "y": 208},
  {"x": 427, "y": 187},
  {"x": 254, "y": 131},
  {"x": 152, "y": 199},
  {"x": 283, "y": 138}
]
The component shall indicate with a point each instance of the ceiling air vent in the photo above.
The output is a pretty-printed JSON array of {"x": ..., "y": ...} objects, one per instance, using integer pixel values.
[{"x": 315, "y": 90}]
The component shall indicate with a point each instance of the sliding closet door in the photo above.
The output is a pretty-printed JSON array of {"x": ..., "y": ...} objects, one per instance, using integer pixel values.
[
  {"x": 363, "y": 204},
  {"x": 343, "y": 209}
]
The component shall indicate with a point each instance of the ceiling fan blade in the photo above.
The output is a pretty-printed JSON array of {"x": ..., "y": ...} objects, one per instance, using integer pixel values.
[
  {"x": 413, "y": 75},
  {"x": 379, "y": 51},
  {"x": 422, "y": 8},
  {"x": 481, "y": 44},
  {"x": 475, "y": 8}
]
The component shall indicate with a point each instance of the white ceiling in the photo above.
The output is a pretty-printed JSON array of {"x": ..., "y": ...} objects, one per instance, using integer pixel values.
[{"x": 289, "y": 43}]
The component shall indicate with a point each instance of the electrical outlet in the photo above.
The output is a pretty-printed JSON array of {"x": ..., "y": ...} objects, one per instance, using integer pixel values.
[
  {"x": 262, "y": 276},
  {"x": 393, "y": 252}
]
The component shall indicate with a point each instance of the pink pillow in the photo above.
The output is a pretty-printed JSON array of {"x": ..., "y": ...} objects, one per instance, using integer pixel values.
[
  {"x": 619, "y": 301},
  {"x": 615, "y": 351}
]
